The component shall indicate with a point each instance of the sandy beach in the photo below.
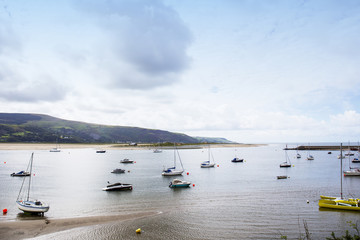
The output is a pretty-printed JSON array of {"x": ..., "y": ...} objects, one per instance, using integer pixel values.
[
  {"x": 33, "y": 228},
  {"x": 48, "y": 146}
]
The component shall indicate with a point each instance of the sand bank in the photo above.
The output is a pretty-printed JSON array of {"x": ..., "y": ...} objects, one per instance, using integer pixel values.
[
  {"x": 48, "y": 146},
  {"x": 33, "y": 228}
]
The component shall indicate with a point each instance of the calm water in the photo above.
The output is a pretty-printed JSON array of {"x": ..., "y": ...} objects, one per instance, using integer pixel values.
[{"x": 232, "y": 201}]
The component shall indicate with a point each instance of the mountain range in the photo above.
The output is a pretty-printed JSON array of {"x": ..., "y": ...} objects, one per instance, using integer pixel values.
[{"x": 25, "y": 127}]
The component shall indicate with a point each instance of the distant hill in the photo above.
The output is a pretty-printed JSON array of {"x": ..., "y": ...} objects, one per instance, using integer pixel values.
[
  {"x": 212, "y": 140},
  {"x": 22, "y": 127}
]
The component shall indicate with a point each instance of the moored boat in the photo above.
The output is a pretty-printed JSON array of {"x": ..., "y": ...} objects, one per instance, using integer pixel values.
[
  {"x": 118, "y": 187},
  {"x": 20, "y": 174},
  {"x": 351, "y": 204},
  {"x": 118, "y": 170},
  {"x": 208, "y": 164},
  {"x": 126, "y": 160},
  {"x": 236, "y": 159},
  {"x": 172, "y": 171},
  {"x": 24, "y": 202},
  {"x": 176, "y": 183},
  {"x": 287, "y": 162},
  {"x": 352, "y": 172},
  {"x": 355, "y": 160}
]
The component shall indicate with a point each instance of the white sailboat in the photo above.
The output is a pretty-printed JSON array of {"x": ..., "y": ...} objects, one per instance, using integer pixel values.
[
  {"x": 352, "y": 171},
  {"x": 172, "y": 171},
  {"x": 309, "y": 157},
  {"x": 287, "y": 162},
  {"x": 56, "y": 149},
  {"x": 24, "y": 202},
  {"x": 208, "y": 163},
  {"x": 298, "y": 155}
]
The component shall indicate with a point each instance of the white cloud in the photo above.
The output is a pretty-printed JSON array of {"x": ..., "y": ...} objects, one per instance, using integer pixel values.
[{"x": 248, "y": 71}]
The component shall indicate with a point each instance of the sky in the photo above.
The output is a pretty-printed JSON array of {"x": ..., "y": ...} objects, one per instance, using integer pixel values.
[{"x": 251, "y": 71}]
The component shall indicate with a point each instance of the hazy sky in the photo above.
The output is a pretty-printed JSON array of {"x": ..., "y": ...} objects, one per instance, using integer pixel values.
[{"x": 249, "y": 71}]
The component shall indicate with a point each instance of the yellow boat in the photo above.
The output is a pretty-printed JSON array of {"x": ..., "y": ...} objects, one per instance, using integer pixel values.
[
  {"x": 335, "y": 203},
  {"x": 351, "y": 204}
]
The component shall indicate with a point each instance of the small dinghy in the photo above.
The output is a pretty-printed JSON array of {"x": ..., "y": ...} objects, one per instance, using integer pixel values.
[
  {"x": 177, "y": 183},
  {"x": 282, "y": 177},
  {"x": 118, "y": 170},
  {"x": 118, "y": 187}
]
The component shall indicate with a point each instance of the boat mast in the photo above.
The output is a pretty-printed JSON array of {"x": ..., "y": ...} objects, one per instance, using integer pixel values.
[
  {"x": 174, "y": 155},
  {"x": 341, "y": 172},
  {"x": 31, "y": 161}
]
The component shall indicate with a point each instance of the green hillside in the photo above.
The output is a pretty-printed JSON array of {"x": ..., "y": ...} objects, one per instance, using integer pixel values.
[{"x": 19, "y": 127}]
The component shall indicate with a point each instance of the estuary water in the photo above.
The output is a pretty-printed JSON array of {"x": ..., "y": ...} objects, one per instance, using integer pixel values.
[{"x": 231, "y": 201}]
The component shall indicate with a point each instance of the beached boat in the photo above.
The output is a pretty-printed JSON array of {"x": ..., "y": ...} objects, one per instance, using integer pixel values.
[
  {"x": 118, "y": 170},
  {"x": 176, "y": 183},
  {"x": 118, "y": 187},
  {"x": 172, "y": 171},
  {"x": 208, "y": 163},
  {"x": 351, "y": 204},
  {"x": 20, "y": 174},
  {"x": 24, "y": 202},
  {"x": 126, "y": 160},
  {"x": 287, "y": 162}
]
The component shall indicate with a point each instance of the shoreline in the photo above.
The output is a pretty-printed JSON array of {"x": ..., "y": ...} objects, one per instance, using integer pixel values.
[
  {"x": 33, "y": 228},
  {"x": 48, "y": 146}
]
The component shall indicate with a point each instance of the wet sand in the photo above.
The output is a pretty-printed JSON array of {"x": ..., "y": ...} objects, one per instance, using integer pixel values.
[{"x": 33, "y": 228}]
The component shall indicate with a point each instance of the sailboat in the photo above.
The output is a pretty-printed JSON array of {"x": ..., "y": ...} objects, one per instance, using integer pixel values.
[
  {"x": 207, "y": 164},
  {"x": 351, "y": 171},
  {"x": 351, "y": 204},
  {"x": 309, "y": 157},
  {"x": 287, "y": 162},
  {"x": 172, "y": 170},
  {"x": 55, "y": 149},
  {"x": 297, "y": 153},
  {"x": 24, "y": 202}
]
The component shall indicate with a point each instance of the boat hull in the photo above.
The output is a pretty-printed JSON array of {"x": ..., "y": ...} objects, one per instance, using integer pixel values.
[
  {"x": 122, "y": 187},
  {"x": 237, "y": 160},
  {"x": 184, "y": 185},
  {"x": 20, "y": 174},
  {"x": 126, "y": 161},
  {"x": 285, "y": 165},
  {"x": 351, "y": 173},
  {"x": 335, "y": 204},
  {"x": 32, "y": 207},
  {"x": 172, "y": 173}
]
